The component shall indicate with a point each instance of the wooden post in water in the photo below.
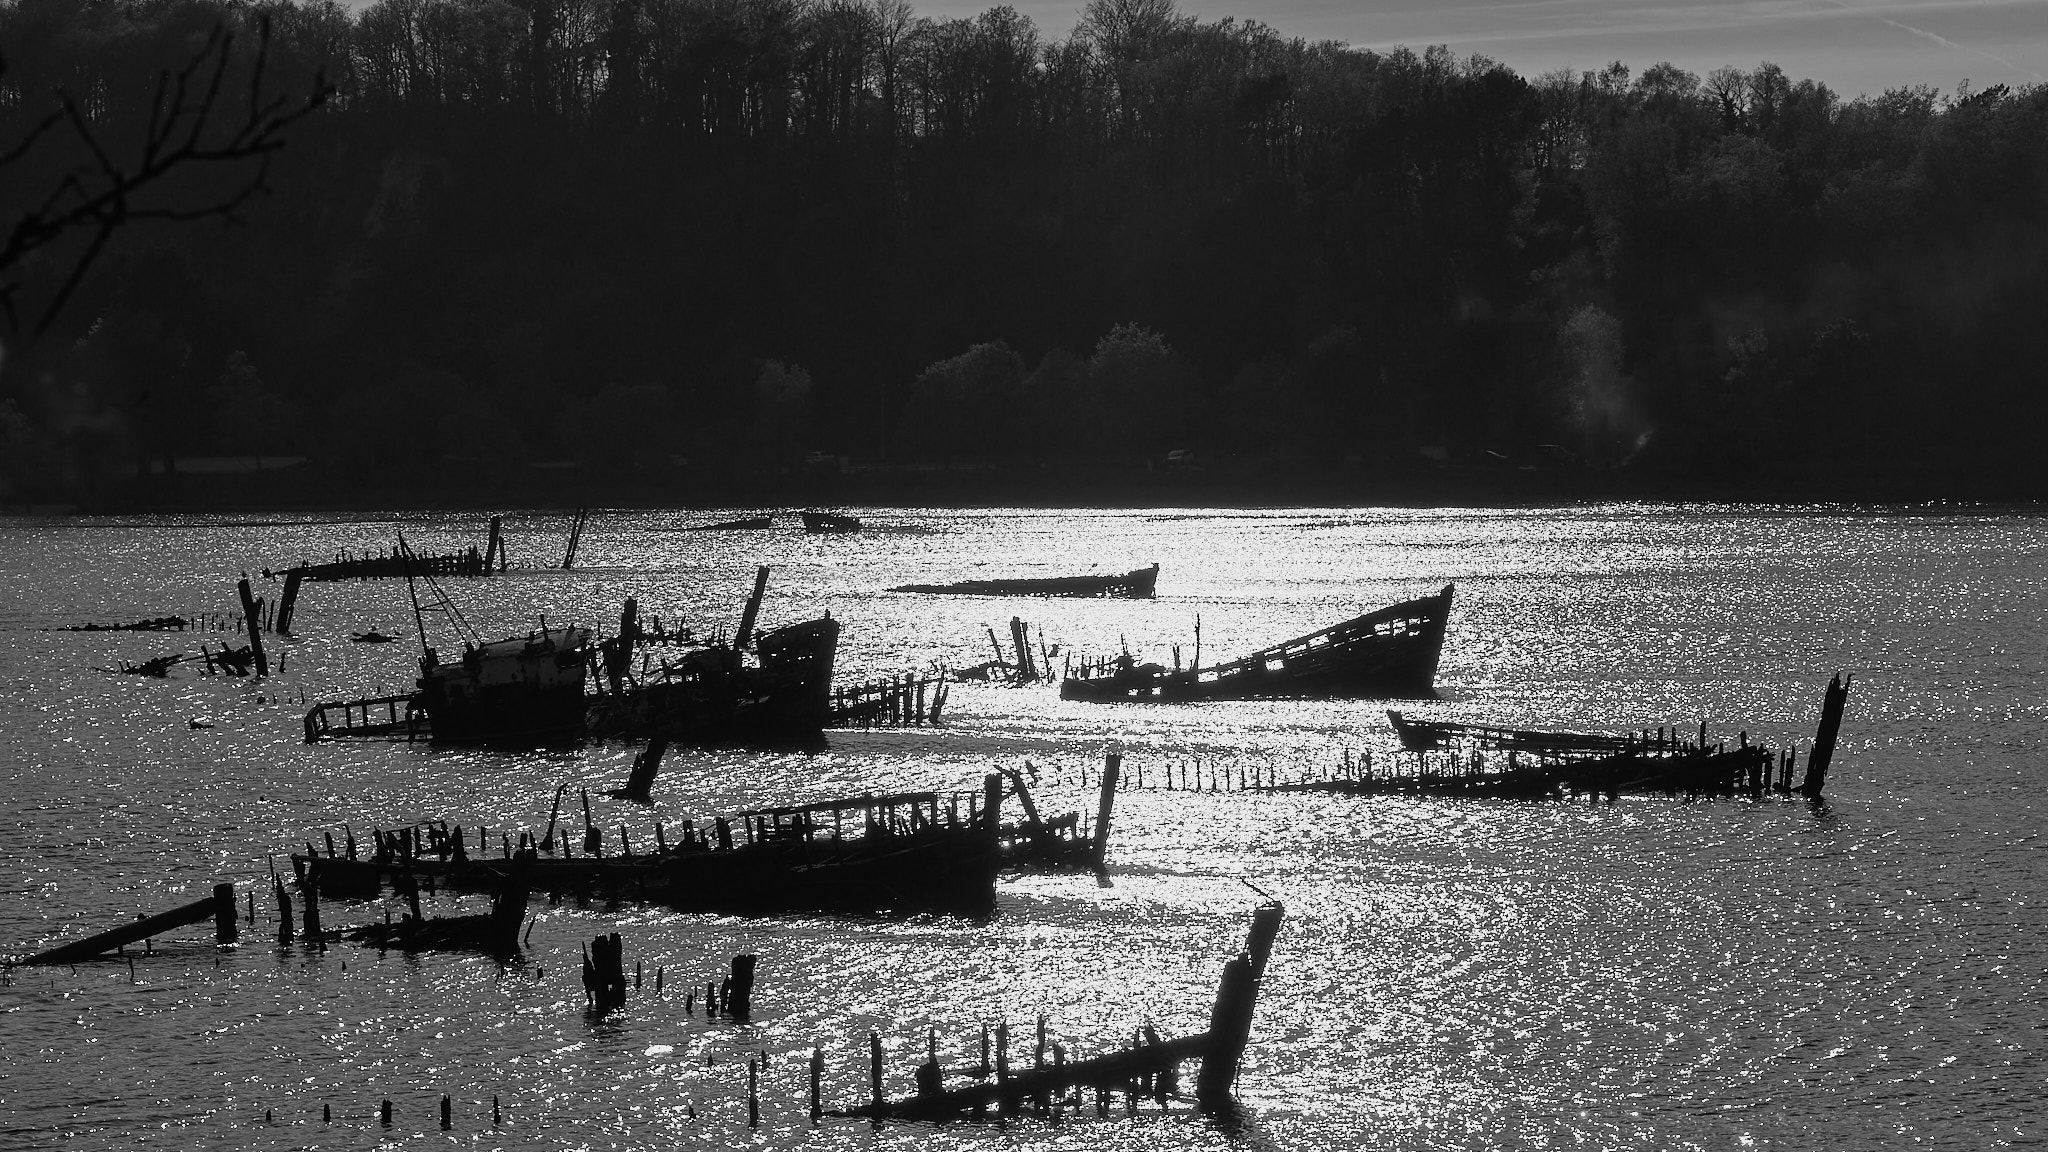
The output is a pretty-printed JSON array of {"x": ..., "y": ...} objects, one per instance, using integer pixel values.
[
  {"x": 1112, "y": 767},
  {"x": 284, "y": 911},
  {"x": 875, "y": 1069},
  {"x": 1230, "y": 1018},
  {"x": 1026, "y": 670},
  {"x": 1003, "y": 1063},
  {"x": 253, "y": 619},
  {"x": 495, "y": 549},
  {"x": 1823, "y": 750},
  {"x": 575, "y": 538},
  {"x": 309, "y": 889},
  {"x": 619, "y": 660},
  {"x": 992, "y": 804},
  {"x": 640, "y": 781},
  {"x": 1230, "y": 1026},
  {"x": 547, "y": 842},
  {"x": 753, "y": 609},
  {"x": 1265, "y": 928},
  {"x": 220, "y": 906},
  {"x": 740, "y": 1001},
  {"x": 289, "y": 600},
  {"x": 225, "y": 927}
]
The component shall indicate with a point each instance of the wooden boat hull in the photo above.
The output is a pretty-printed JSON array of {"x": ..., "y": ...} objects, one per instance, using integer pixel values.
[
  {"x": 1429, "y": 735},
  {"x": 519, "y": 691},
  {"x": 897, "y": 853},
  {"x": 1582, "y": 763},
  {"x": 785, "y": 697},
  {"x": 397, "y": 566},
  {"x": 829, "y": 522},
  {"x": 934, "y": 869},
  {"x": 1510, "y": 784},
  {"x": 931, "y": 869},
  {"x": 1137, "y": 584},
  {"x": 1390, "y": 653}
]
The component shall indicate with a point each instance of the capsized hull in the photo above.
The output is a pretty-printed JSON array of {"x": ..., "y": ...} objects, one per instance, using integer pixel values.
[{"x": 1137, "y": 584}]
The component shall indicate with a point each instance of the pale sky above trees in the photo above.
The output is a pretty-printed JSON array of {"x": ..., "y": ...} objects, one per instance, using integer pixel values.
[{"x": 1852, "y": 46}]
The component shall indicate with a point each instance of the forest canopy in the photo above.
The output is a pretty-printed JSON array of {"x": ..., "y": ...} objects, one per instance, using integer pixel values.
[{"x": 708, "y": 238}]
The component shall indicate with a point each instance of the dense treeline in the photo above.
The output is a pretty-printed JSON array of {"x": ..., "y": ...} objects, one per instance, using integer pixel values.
[{"x": 633, "y": 233}]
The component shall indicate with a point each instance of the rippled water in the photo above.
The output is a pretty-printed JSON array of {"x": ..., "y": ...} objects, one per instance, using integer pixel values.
[{"x": 1867, "y": 972}]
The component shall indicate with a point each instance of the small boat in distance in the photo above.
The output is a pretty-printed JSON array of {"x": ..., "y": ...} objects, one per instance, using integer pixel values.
[
  {"x": 830, "y": 522},
  {"x": 1392, "y": 653},
  {"x": 1136, "y": 584}
]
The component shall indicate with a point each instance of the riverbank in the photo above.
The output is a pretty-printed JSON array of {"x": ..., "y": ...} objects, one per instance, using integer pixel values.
[{"x": 313, "y": 488}]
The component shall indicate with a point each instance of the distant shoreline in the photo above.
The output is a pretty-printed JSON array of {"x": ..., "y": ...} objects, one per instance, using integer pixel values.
[{"x": 985, "y": 487}]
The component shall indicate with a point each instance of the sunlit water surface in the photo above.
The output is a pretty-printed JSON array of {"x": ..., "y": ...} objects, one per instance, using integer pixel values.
[{"x": 1867, "y": 972}]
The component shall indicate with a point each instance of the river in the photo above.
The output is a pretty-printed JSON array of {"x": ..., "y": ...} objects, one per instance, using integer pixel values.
[{"x": 1864, "y": 971}]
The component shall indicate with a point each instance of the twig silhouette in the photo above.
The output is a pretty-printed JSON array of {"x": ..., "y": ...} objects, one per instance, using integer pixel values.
[{"x": 185, "y": 131}]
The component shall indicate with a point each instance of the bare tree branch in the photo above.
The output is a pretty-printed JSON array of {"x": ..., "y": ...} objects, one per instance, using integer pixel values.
[{"x": 183, "y": 132}]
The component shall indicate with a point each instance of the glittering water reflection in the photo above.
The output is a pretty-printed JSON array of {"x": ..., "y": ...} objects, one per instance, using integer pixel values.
[{"x": 1646, "y": 974}]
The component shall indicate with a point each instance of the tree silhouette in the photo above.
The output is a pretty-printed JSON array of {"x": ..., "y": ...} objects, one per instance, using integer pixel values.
[{"x": 114, "y": 172}]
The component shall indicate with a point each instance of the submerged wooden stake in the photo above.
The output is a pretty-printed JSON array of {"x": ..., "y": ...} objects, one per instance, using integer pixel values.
[
  {"x": 1150, "y": 1064},
  {"x": 739, "y": 1002},
  {"x": 1823, "y": 751},
  {"x": 252, "y": 616}
]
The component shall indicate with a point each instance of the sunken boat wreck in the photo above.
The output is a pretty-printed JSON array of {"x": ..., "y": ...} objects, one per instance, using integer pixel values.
[
  {"x": 716, "y": 694},
  {"x": 914, "y": 851},
  {"x": 1149, "y": 1066},
  {"x": 829, "y": 522},
  {"x": 1483, "y": 760},
  {"x": 520, "y": 690},
  {"x": 402, "y": 562},
  {"x": 1392, "y": 652},
  {"x": 1137, "y": 584},
  {"x": 495, "y": 932},
  {"x": 555, "y": 687}
]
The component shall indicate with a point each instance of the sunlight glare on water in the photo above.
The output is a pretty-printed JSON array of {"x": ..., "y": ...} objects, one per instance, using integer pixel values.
[{"x": 1645, "y": 974}]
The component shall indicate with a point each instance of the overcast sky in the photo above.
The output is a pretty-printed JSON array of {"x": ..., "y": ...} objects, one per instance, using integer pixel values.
[{"x": 1853, "y": 46}]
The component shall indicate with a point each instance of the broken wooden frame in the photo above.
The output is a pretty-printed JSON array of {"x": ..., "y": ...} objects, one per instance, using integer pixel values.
[
  {"x": 1149, "y": 1068},
  {"x": 219, "y": 907}
]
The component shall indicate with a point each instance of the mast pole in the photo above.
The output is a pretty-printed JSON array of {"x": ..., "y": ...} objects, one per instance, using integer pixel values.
[{"x": 419, "y": 624}]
